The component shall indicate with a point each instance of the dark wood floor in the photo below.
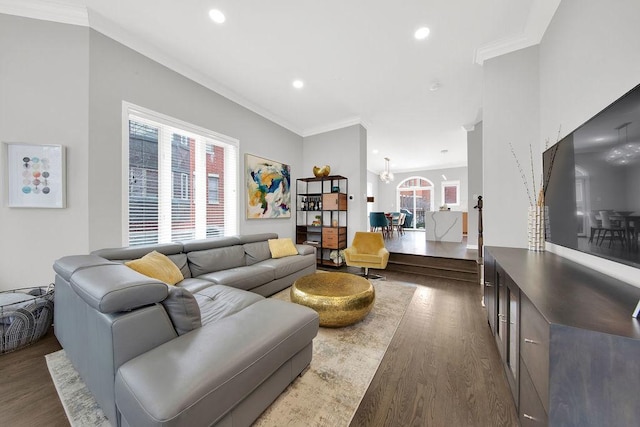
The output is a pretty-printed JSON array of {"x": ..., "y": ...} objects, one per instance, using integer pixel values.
[
  {"x": 27, "y": 394},
  {"x": 415, "y": 242},
  {"x": 441, "y": 369}
]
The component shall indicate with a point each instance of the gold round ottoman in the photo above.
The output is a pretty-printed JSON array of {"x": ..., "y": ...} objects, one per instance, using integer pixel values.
[{"x": 340, "y": 299}]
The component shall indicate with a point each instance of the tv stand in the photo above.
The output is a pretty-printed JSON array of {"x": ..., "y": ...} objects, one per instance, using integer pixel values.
[{"x": 568, "y": 341}]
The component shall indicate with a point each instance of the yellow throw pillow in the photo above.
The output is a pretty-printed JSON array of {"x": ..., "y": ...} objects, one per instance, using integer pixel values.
[
  {"x": 157, "y": 266},
  {"x": 281, "y": 248}
]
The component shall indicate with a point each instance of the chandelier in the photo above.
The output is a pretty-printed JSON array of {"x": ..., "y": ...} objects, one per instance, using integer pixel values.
[
  {"x": 386, "y": 176},
  {"x": 624, "y": 153}
]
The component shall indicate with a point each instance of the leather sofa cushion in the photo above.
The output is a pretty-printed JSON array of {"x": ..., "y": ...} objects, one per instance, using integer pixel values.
[
  {"x": 67, "y": 265},
  {"x": 219, "y": 301},
  {"x": 246, "y": 278},
  {"x": 135, "y": 252},
  {"x": 116, "y": 287},
  {"x": 259, "y": 237},
  {"x": 215, "y": 242},
  {"x": 306, "y": 249},
  {"x": 256, "y": 252},
  {"x": 183, "y": 310},
  {"x": 209, "y": 260},
  {"x": 206, "y": 381},
  {"x": 172, "y": 250},
  {"x": 194, "y": 285},
  {"x": 283, "y": 267}
]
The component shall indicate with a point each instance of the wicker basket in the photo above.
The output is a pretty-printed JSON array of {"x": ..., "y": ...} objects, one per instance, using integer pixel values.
[{"x": 25, "y": 321}]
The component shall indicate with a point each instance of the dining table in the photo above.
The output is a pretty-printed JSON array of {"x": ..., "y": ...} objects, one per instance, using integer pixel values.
[{"x": 629, "y": 221}]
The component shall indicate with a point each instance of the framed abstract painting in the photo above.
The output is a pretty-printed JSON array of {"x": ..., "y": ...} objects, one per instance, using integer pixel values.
[
  {"x": 268, "y": 188},
  {"x": 35, "y": 176}
]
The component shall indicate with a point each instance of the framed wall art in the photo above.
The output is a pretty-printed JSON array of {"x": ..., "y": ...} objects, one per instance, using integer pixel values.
[
  {"x": 268, "y": 188},
  {"x": 35, "y": 176}
]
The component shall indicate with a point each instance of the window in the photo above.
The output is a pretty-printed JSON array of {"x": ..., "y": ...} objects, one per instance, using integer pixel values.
[
  {"x": 213, "y": 181},
  {"x": 415, "y": 198},
  {"x": 182, "y": 180},
  {"x": 451, "y": 193}
]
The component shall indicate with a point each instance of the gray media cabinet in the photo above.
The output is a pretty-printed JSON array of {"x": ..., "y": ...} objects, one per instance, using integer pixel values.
[{"x": 569, "y": 344}]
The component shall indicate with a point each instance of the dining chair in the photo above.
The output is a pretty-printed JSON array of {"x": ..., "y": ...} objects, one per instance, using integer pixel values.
[
  {"x": 596, "y": 228},
  {"x": 609, "y": 227},
  {"x": 394, "y": 219},
  {"x": 378, "y": 220},
  {"x": 401, "y": 220}
]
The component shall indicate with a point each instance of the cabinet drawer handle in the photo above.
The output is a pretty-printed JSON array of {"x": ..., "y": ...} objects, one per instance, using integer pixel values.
[
  {"x": 529, "y": 417},
  {"x": 528, "y": 341}
]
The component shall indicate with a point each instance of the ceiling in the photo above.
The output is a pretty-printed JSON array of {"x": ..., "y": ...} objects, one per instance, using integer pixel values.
[{"x": 358, "y": 59}]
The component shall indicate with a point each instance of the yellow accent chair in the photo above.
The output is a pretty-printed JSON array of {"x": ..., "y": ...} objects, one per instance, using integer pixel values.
[{"x": 367, "y": 251}]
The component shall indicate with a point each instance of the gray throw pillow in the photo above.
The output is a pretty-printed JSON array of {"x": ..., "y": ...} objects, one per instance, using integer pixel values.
[{"x": 182, "y": 309}]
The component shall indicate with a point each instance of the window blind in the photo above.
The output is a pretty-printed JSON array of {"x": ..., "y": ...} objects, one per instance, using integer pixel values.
[{"x": 170, "y": 163}]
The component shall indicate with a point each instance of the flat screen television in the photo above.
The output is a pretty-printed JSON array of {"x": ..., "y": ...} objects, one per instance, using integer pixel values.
[{"x": 592, "y": 184}]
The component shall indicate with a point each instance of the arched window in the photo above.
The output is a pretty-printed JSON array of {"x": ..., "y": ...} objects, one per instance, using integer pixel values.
[{"x": 415, "y": 197}]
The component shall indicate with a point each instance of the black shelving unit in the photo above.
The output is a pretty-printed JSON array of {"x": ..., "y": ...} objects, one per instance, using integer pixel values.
[{"x": 321, "y": 215}]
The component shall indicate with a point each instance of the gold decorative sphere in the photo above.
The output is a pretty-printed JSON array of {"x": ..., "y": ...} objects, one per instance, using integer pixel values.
[{"x": 340, "y": 299}]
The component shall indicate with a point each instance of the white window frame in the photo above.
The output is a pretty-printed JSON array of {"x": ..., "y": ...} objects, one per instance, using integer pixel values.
[
  {"x": 231, "y": 171},
  {"x": 444, "y": 184}
]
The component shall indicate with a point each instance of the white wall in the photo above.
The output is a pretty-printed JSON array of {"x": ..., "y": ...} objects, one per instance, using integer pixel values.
[
  {"x": 64, "y": 84},
  {"x": 386, "y": 198},
  {"x": 589, "y": 57},
  {"x": 345, "y": 150},
  {"x": 43, "y": 100},
  {"x": 510, "y": 115},
  {"x": 119, "y": 73},
  {"x": 474, "y": 174}
]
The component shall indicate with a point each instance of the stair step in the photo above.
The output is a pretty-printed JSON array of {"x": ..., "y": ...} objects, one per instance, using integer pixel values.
[{"x": 457, "y": 269}]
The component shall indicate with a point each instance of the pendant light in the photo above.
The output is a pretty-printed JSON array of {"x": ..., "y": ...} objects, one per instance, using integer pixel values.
[{"x": 386, "y": 176}]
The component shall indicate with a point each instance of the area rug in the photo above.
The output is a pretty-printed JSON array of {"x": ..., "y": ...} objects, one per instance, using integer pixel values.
[{"x": 327, "y": 394}]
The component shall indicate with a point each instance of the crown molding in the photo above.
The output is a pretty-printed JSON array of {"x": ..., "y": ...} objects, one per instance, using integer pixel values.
[
  {"x": 56, "y": 11},
  {"x": 333, "y": 126},
  {"x": 119, "y": 34},
  {"x": 539, "y": 19}
]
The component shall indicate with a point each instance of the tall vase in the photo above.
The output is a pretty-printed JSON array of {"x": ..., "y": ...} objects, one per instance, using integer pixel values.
[{"x": 536, "y": 227}]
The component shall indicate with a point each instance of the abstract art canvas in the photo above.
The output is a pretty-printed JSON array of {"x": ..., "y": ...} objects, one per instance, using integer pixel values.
[
  {"x": 268, "y": 188},
  {"x": 35, "y": 176}
]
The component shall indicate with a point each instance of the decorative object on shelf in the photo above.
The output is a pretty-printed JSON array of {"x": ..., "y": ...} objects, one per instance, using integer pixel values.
[
  {"x": 36, "y": 176},
  {"x": 318, "y": 221},
  {"x": 335, "y": 189},
  {"x": 334, "y": 223},
  {"x": 536, "y": 227},
  {"x": 386, "y": 176},
  {"x": 268, "y": 188},
  {"x": 319, "y": 172},
  {"x": 537, "y": 213},
  {"x": 337, "y": 256}
]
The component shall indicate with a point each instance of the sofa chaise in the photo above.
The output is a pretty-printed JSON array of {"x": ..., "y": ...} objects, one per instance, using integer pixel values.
[{"x": 209, "y": 350}]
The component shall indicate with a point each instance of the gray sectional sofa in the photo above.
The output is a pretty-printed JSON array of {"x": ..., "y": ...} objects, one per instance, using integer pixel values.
[{"x": 211, "y": 350}]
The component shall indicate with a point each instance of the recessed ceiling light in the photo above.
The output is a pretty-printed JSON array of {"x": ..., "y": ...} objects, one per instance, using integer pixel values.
[
  {"x": 298, "y": 84},
  {"x": 421, "y": 33},
  {"x": 435, "y": 86},
  {"x": 444, "y": 151},
  {"x": 375, "y": 151},
  {"x": 217, "y": 16}
]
